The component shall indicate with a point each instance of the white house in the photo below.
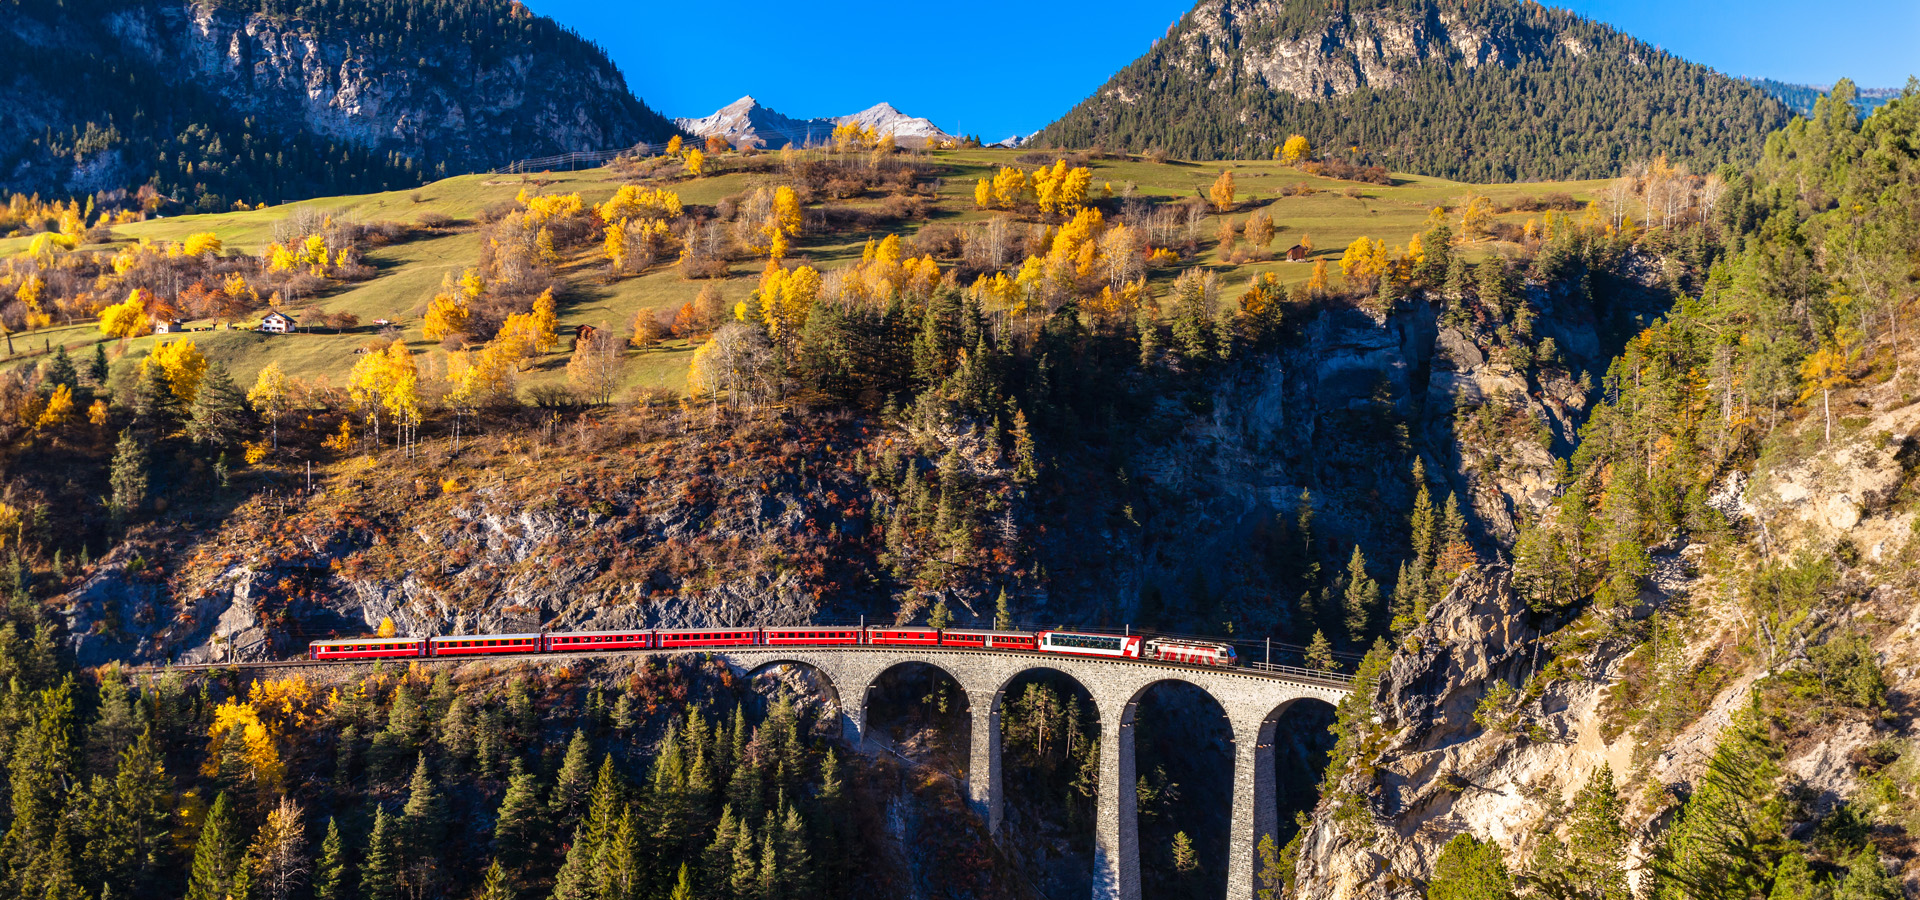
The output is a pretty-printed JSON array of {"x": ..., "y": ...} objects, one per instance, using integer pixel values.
[
  {"x": 168, "y": 326},
  {"x": 277, "y": 322}
]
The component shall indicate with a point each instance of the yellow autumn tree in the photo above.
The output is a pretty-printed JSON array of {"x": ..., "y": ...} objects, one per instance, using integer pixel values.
[
  {"x": 449, "y": 312},
  {"x": 1476, "y": 217},
  {"x": 1011, "y": 188},
  {"x": 545, "y": 323},
  {"x": 673, "y": 145},
  {"x": 696, "y": 163},
  {"x": 1060, "y": 189},
  {"x": 632, "y": 201},
  {"x": 184, "y": 364},
  {"x": 127, "y": 318},
  {"x": 386, "y": 622},
  {"x": 1317, "y": 282},
  {"x": 240, "y": 746},
  {"x": 270, "y": 395},
  {"x": 201, "y": 244},
  {"x": 786, "y": 297},
  {"x": 1221, "y": 193},
  {"x": 983, "y": 194},
  {"x": 1296, "y": 150},
  {"x": 1828, "y": 368},
  {"x": 59, "y": 411},
  {"x": 1364, "y": 262}
]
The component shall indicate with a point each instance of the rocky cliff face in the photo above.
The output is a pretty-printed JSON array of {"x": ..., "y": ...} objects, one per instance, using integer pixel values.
[
  {"x": 470, "y": 96},
  {"x": 1507, "y": 775}
]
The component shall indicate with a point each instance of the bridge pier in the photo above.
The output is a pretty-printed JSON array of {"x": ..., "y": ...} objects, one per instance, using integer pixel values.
[
  {"x": 1254, "y": 815},
  {"x": 983, "y": 765},
  {"x": 1116, "y": 827}
]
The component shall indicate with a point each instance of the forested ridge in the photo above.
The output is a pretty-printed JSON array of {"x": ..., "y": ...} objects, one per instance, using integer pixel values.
[
  {"x": 1486, "y": 91},
  {"x": 313, "y": 99}
]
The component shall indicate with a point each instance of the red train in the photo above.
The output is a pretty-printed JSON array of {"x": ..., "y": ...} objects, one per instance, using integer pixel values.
[{"x": 1072, "y": 643}]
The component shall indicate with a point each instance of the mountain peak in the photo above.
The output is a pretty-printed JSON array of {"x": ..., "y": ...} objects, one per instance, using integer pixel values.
[
  {"x": 746, "y": 122},
  {"x": 1234, "y": 78}
]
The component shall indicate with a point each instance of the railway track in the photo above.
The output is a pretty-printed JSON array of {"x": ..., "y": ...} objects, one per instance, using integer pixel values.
[{"x": 1291, "y": 674}]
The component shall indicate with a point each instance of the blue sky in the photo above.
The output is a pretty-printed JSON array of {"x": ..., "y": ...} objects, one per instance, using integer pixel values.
[{"x": 1000, "y": 67}]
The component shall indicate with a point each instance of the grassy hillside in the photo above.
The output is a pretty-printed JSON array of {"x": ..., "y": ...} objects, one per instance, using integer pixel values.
[{"x": 1330, "y": 212}]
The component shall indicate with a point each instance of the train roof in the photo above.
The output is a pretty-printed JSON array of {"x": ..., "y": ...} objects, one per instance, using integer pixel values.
[
  {"x": 989, "y": 631},
  {"x": 371, "y": 640},
  {"x": 485, "y": 637},
  {"x": 599, "y": 633}
]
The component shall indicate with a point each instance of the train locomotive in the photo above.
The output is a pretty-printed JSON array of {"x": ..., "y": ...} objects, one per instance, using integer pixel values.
[{"x": 1070, "y": 643}]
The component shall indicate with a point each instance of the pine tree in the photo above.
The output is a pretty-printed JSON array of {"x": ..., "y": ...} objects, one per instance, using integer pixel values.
[
  {"x": 1025, "y": 467},
  {"x": 218, "y": 417},
  {"x": 1362, "y": 596},
  {"x": 97, "y": 369},
  {"x": 1470, "y": 869},
  {"x": 1867, "y": 879},
  {"x": 1400, "y": 609},
  {"x": 217, "y": 858},
  {"x": 496, "y": 886},
  {"x": 59, "y": 371},
  {"x": 1320, "y": 654},
  {"x": 517, "y": 823},
  {"x": 574, "y": 783},
  {"x": 1732, "y": 832},
  {"x": 330, "y": 874},
  {"x": 422, "y": 827},
  {"x": 1596, "y": 841},
  {"x": 1420, "y": 523},
  {"x": 1002, "y": 612},
  {"x": 939, "y": 617},
  {"x": 1185, "y": 861},
  {"x": 682, "y": 885},
  {"x": 156, "y": 407},
  {"x": 379, "y": 873},
  {"x": 128, "y": 476}
]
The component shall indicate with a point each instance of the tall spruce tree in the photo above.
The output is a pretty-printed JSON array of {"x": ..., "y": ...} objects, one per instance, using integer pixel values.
[
  {"x": 379, "y": 869},
  {"x": 518, "y": 823},
  {"x": 423, "y": 826},
  {"x": 1732, "y": 833},
  {"x": 1470, "y": 869},
  {"x": 128, "y": 477},
  {"x": 219, "y": 856},
  {"x": 218, "y": 417},
  {"x": 1596, "y": 847},
  {"x": 1362, "y": 596},
  {"x": 330, "y": 873}
]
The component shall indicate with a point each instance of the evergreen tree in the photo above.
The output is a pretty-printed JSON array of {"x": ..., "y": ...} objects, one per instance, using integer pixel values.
[
  {"x": 59, "y": 371},
  {"x": 1470, "y": 869},
  {"x": 1421, "y": 527},
  {"x": 218, "y": 417},
  {"x": 1596, "y": 845},
  {"x": 41, "y": 767},
  {"x": 218, "y": 857},
  {"x": 330, "y": 874},
  {"x": 97, "y": 368},
  {"x": 1731, "y": 834},
  {"x": 128, "y": 476},
  {"x": 1793, "y": 879},
  {"x": 1362, "y": 596},
  {"x": 496, "y": 886},
  {"x": 1320, "y": 654},
  {"x": 1867, "y": 879},
  {"x": 156, "y": 407},
  {"x": 380, "y": 871},
  {"x": 939, "y": 617},
  {"x": 682, "y": 885},
  {"x": 422, "y": 827},
  {"x": 1400, "y": 610},
  {"x": 1002, "y": 612},
  {"x": 1185, "y": 861},
  {"x": 518, "y": 820},
  {"x": 574, "y": 783}
]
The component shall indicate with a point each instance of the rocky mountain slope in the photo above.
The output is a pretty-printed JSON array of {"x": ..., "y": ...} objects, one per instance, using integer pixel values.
[
  {"x": 745, "y": 122},
  {"x": 1421, "y": 87},
  {"x": 221, "y": 101}
]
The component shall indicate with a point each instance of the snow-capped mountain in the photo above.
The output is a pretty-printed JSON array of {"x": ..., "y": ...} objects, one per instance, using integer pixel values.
[{"x": 745, "y": 121}]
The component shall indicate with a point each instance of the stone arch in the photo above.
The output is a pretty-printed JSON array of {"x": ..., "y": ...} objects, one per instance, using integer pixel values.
[
  {"x": 1181, "y": 727},
  {"x": 1043, "y": 786},
  {"x": 818, "y": 672},
  {"x": 884, "y": 692},
  {"x": 1265, "y": 785}
]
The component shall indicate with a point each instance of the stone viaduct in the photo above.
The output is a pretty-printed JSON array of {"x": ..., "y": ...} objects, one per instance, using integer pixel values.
[{"x": 1254, "y": 702}]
